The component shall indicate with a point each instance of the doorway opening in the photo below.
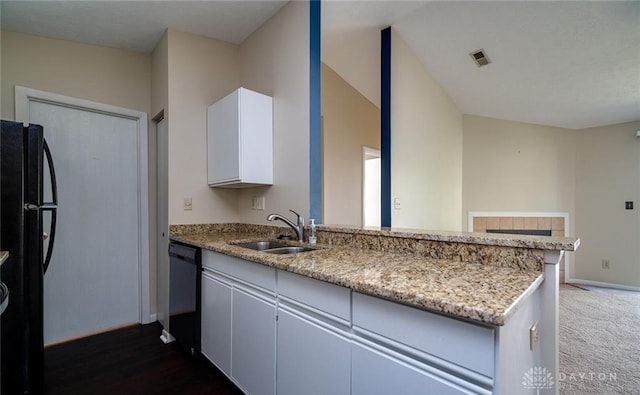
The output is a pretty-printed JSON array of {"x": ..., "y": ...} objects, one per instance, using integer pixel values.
[{"x": 371, "y": 186}]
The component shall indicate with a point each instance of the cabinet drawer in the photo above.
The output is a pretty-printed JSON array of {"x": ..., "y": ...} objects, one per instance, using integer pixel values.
[
  {"x": 316, "y": 294},
  {"x": 448, "y": 340},
  {"x": 378, "y": 372},
  {"x": 249, "y": 272}
]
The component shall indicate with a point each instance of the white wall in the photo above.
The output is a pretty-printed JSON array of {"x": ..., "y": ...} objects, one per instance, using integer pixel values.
[
  {"x": 608, "y": 174},
  {"x": 426, "y": 146},
  {"x": 514, "y": 166},
  {"x": 274, "y": 61},
  {"x": 200, "y": 72},
  {"x": 350, "y": 121}
]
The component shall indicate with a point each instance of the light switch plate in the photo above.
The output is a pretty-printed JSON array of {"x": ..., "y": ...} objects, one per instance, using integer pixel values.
[
  {"x": 258, "y": 203},
  {"x": 396, "y": 204},
  {"x": 187, "y": 204}
]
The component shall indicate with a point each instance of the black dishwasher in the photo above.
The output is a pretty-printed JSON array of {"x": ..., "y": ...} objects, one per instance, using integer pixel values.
[{"x": 185, "y": 268}]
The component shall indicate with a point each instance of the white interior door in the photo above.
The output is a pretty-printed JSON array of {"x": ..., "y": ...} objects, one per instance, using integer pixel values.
[{"x": 92, "y": 282}]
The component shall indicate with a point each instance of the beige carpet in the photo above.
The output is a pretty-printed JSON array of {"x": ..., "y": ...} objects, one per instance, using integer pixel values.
[{"x": 599, "y": 342}]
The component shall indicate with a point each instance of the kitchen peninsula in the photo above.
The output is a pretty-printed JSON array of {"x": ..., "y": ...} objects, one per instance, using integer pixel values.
[{"x": 392, "y": 309}]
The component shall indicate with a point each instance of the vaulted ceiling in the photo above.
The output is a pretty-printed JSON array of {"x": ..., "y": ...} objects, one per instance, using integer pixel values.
[{"x": 570, "y": 64}]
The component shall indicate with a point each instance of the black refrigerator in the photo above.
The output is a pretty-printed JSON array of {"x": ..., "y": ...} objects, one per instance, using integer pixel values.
[{"x": 24, "y": 155}]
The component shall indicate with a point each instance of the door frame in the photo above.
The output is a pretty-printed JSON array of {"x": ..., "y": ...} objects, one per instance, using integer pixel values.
[
  {"x": 162, "y": 224},
  {"x": 23, "y": 96}
]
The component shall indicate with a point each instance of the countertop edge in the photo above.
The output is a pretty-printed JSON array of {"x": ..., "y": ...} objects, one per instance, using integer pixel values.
[{"x": 510, "y": 311}]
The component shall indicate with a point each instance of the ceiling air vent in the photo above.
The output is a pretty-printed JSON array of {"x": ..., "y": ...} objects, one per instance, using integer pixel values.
[{"x": 480, "y": 57}]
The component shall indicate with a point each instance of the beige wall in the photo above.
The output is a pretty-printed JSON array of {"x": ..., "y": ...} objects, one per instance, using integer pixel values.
[
  {"x": 274, "y": 61},
  {"x": 354, "y": 54},
  {"x": 350, "y": 121},
  {"x": 518, "y": 167},
  {"x": 200, "y": 72},
  {"x": 426, "y": 146},
  {"x": 514, "y": 166},
  {"x": 105, "y": 75},
  {"x": 160, "y": 76},
  {"x": 608, "y": 174}
]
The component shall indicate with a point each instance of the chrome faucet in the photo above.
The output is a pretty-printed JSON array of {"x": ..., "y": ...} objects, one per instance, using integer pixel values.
[{"x": 299, "y": 228}]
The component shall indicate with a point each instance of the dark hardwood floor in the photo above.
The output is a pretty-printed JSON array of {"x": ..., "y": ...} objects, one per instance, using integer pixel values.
[{"x": 132, "y": 360}]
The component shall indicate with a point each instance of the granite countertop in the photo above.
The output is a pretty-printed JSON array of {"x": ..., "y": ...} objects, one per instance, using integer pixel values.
[
  {"x": 3, "y": 256},
  {"x": 495, "y": 239},
  {"x": 482, "y": 293}
]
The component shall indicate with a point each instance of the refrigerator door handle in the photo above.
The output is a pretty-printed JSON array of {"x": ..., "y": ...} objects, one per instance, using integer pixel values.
[
  {"x": 4, "y": 300},
  {"x": 52, "y": 238},
  {"x": 44, "y": 207},
  {"x": 52, "y": 206}
]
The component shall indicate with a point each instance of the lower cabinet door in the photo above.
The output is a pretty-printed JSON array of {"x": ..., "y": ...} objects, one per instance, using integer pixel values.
[
  {"x": 311, "y": 358},
  {"x": 253, "y": 365},
  {"x": 375, "y": 373},
  {"x": 216, "y": 322}
]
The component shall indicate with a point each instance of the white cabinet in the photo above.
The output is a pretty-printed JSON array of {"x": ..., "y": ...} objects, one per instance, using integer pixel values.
[
  {"x": 378, "y": 373},
  {"x": 239, "y": 321},
  {"x": 401, "y": 349},
  {"x": 465, "y": 348},
  {"x": 240, "y": 140},
  {"x": 313, "y": 358},
  {"x": 216, "y": 321},
  {"x": 253, "y": 347},
  {"x": 314, "y": 346},
  {"x": 272, "y": 331}
]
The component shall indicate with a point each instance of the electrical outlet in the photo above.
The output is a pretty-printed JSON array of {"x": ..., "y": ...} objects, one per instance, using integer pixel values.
[
  {"x": 187, "y": 204},
  {"x": 533, "y": 335},
  {"x": 258, "y": 203},
  {"x": 606, "y": 264}
]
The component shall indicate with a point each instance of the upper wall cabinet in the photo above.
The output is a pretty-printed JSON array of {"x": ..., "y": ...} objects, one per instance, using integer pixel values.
[{"x": 240, "y": 140}]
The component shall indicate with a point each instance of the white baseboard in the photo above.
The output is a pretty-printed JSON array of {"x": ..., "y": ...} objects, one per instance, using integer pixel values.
[
  {"x": 602, "y": 284},
  {"x": 148, "y": 319}
]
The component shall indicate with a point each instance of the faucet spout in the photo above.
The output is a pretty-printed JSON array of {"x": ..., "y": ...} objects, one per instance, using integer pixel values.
[{"x": 298, "y": 228}]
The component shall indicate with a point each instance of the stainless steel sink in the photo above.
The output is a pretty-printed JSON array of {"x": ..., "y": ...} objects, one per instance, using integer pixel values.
[
  {"x": 261, "y": 245},
  {"x": 273, "y": 247},
  {"x": 289, "y": 250}
]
